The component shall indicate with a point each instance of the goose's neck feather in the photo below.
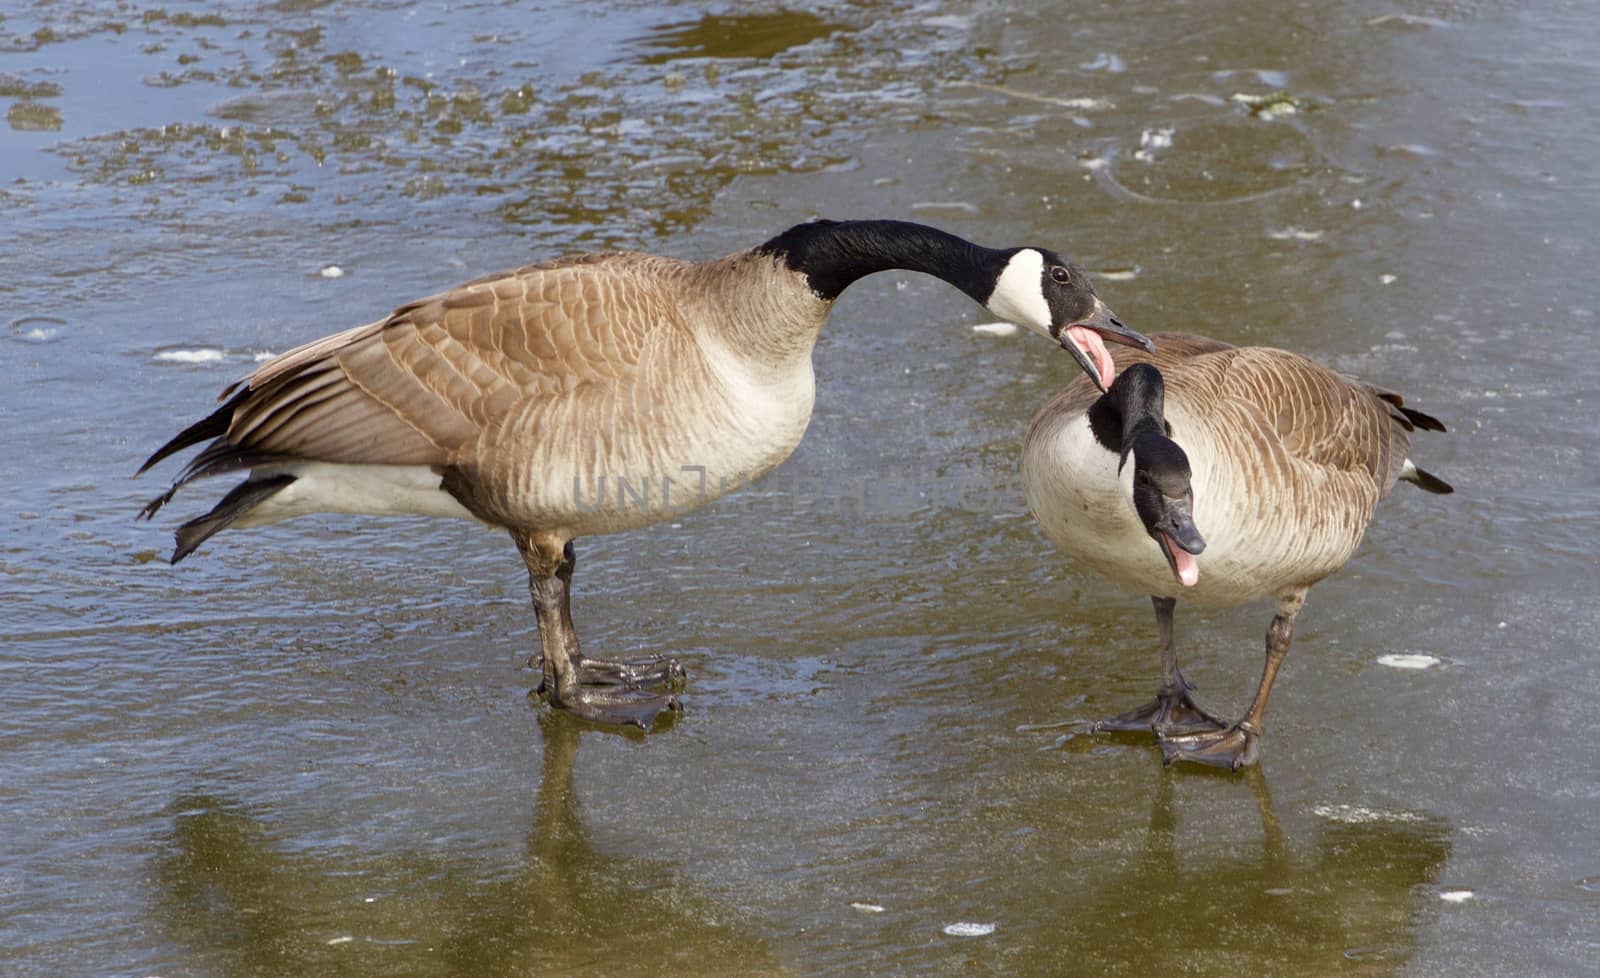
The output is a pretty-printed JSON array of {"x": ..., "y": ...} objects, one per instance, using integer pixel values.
[
  {"x": 754, "y": 309},
  {"x": 832, "y": 255}
]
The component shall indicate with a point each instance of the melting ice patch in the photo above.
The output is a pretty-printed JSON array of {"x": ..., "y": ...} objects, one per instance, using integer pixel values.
[
  {"x": 37, "y": 329},
  {"x": 1272, "y": 105},
  {"x": 954, "y": 206},
  {"x": 1106, "y": 62},
  {"x": 996, "y": 329},
  {"x": 1153, "y": 141},
  {"x": 198, "y": 355},
  {"x": 1408, "y": 660},
  {"x": 1361, "y": 815},
  {"x": 1292, "y": 233},
  {"x": 1127, "y": 274},
  {"x": 1081, "y": 103}
]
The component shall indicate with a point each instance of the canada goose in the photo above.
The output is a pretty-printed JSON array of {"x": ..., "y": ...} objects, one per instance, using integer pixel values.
[
  {"x": 1281, "y": 464},
  {"x": 519, "y": 398}
]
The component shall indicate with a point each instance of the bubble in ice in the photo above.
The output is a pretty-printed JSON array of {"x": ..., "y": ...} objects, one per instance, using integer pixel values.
[
  {"x": 203, "y": 354},
  {"x": 995, "y": 329},
  {"x": 1408, "y": 660}
]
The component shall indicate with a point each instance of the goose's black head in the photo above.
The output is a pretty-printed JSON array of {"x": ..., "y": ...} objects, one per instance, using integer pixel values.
[
  {"x": 1049, "y": 294},
  {"x": 1164, "y": 499},
  {"x": 1032, "y": 287},
  {"x": 1130, "y": 419}
]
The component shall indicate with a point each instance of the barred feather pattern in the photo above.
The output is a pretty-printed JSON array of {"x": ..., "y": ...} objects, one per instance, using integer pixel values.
[
  {"x": 537, "y": 394},
  {"x": 1289, "y": 460}
]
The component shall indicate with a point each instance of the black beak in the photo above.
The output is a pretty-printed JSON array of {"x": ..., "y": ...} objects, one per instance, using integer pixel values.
[
  {"x": 1178, "y": 523},
  {"x": 1103, "y": 321}
]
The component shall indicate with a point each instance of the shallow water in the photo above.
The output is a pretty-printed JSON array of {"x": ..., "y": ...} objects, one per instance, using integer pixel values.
[{"x": 309, "y": 748}]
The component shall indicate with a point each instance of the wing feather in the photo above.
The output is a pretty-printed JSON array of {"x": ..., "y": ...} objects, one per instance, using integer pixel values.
[
  {"x": 418, "y": 386},
  {"x": 1312, "y": 413}
]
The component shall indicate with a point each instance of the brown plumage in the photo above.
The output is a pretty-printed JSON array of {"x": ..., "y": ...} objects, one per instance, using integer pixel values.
[
  {"x": 586, "y": 395},
  {"x": 503, "y": 383},
  {"x": 1284, "y": 460}
]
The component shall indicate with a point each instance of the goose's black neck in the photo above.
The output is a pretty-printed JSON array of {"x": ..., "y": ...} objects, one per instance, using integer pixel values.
[
  {"x": 1135, "y": 404},
  {"x": 834, "y": 254}
]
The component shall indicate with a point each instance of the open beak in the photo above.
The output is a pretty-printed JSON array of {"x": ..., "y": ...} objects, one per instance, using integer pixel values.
[
  {"x": 1082, "y": 339},
  {"x": 1180, "y": 542}
]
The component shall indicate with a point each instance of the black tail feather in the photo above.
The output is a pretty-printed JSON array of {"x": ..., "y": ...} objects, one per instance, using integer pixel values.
[
  {"x": 1408, "y": 418},
  {"x": 220, "y": 458},
  {"x": 213, "y": 425},
  {"x": 240, "y": 500},
  {"x": 151, "y": 507},
  {"x": 1426, "y": 422},
  {"x": 1428, "y": 481}
]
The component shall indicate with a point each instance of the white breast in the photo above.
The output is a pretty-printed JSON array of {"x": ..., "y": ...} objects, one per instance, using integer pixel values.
[
  {"x": 1263, "y": 520},
  {"x": 1256, "y": 540},
  {"x": 685, "y": 451},
  {"x": 1076, "y": 494}
]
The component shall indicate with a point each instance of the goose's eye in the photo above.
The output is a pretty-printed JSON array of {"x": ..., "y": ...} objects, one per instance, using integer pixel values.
[{"x": 1060, "y": 275}]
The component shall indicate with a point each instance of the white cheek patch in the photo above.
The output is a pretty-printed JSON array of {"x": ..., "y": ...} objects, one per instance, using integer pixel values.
[{"x": 1018, "y": 296}]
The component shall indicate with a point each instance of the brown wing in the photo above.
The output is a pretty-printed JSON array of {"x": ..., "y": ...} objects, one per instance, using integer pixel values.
[
  {"x": 417, "y": 386},
  {"x": 1323, "y": 417},
  {"x": 1313, "y": 413},
  {"x": 1172, "y": 349}
]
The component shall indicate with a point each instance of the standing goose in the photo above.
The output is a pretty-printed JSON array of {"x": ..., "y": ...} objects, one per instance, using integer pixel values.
[
  {"x": 518, "y": 399},
  {"x": 1281, "y": 462}
]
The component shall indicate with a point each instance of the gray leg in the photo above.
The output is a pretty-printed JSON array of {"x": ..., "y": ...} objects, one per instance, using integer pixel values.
[
  {"x": 650, "y": 672},
  {"x": 611, "y": 693},
  {"x": 1173, "y": 711},
  {"x": 1238, "y": 746}
]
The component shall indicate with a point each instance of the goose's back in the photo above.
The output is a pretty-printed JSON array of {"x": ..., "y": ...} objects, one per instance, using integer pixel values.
[
  {"x": 563, "y": 394},
  {"x": 1289, "y": 460}
]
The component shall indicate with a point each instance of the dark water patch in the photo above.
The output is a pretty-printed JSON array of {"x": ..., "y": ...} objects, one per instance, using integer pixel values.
[
  {"x": 33, "y": 117},
  {"x": 760, "y": 35},
  {"x": 13, "y": 86}
]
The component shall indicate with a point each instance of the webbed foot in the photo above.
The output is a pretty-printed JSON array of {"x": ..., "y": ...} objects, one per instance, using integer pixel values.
[
  {"x": 650, "y": 672},
  {"x": 614, "y": 705},
  {"x": 1233, "y": 748},
  {"x": 1173, "y": 712}
]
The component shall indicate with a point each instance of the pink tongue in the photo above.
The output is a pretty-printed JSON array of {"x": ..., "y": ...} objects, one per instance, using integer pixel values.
[
  {"x": 1188, "y": 568},
  {"x": 1090, "y": 342}
]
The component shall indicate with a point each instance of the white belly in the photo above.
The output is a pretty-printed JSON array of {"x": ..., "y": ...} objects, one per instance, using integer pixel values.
[
  {"x": 577, "y": 476},
  {"x": 331, "y": 487},
  {"x": 1258, "y": 539}
]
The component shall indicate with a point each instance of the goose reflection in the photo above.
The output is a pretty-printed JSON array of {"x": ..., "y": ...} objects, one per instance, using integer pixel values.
[
  {"x": 1349, "y": 903},
  {"x": 240, "y": 901}
]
